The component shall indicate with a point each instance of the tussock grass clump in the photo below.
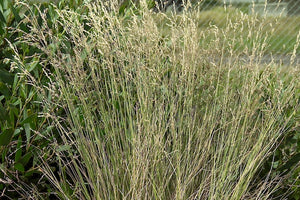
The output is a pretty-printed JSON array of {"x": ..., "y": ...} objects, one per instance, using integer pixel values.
[{"x": 150, "y": 116}]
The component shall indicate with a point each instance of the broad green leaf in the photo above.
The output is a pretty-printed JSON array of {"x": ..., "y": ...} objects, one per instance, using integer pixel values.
[
  {"x": 6, "y": 77},
  {"x": 27, "y": 132},
  {"x": 13, "y": 112},
  {"x": 295, "y": 159},
  {"x": 19, "y": 167},
  {"x": 15, "y": 83},
  {"x": 2, "y": 18},
  {"x": 16, "y": 14},
  {"x": 19, "y": 149},
  {"x": 16, "y": 102},
  {"x": 29, "y": 119},
  {"x": 25, "y": 159},
  {"x": 18, "y": 131},
  {"x": 23, "y": 91},
  {"x": 11, "y": 118},
  {"x": 31, "y": 93},
  {"x": 63, "y": 148},
  {"x": 2, "y": 32},
  {"x": 3, "y": 113},
  {"x": 5, "y": 136},
  {"x": 6, "y": 14},
  {"x": 5, "y": 4},
  {"x": 4, "y": 90},
  {"x": 18, "y": 19},
  {"x": 53, "y": 13},
  {"x": 30, "y": 172},
  {"x": 32, "y": 66},
  {"x": 35, "y": 160}
]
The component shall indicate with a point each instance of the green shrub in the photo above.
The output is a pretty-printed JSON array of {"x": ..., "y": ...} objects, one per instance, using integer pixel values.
[{"x": 22, "y": 127}]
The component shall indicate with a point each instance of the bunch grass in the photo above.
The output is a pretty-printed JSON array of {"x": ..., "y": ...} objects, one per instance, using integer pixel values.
[{"x": 156, "y": 115}]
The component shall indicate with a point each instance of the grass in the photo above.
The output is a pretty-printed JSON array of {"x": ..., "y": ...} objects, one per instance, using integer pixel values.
[
  {"x": 149, "y": 112},
  {"x": 281, "y": 38},
  {"x": 281, "y": 32}
]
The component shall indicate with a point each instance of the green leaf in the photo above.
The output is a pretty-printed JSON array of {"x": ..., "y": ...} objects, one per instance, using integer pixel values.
[
  {"x": 2, "y": 32},
  {"x": 27, "y": 132},
  {"x": 18, "y": 131},
  {"x": 4, "y": 90},
  {"x": 19, "y": 149},
  {"x": 53, "y": 13},
  {"x": 30, "y": 172},
  {"x": 19, "y": 167},
  {"x": 13, "y": 112},
  {"x": 29, "y": 119},
  {"x": 5, "y": 136},
  {"x": 32, "y": 66},
  {"x": 25, "y": 159},
  {"x": 6, "y": 14},
  {"x": 17, "y": 102},
  {"x": 63, "y": 148},
  {"x": 295, "y": 159},
  {"x": 3, "y": 113},
  {"x": 2, "y": 18},
  {"x": 5, "y": 4},
  {"x": 16, "y": 14},
  {"x": 6, "y": 77}
]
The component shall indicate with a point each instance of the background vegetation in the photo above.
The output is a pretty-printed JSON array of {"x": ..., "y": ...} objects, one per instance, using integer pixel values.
[{"x": 108, "y": 100}]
